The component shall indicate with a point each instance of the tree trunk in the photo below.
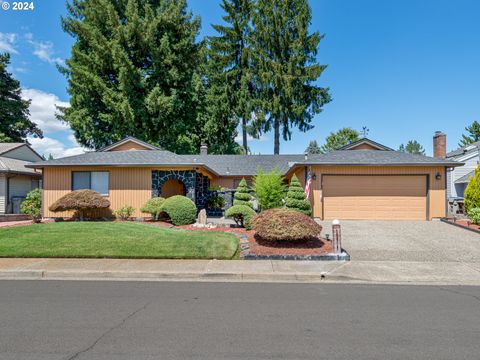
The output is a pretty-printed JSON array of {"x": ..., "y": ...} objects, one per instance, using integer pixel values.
[
  {"x": 276, "y": 126},
  {"x": 244, "y": 133}
]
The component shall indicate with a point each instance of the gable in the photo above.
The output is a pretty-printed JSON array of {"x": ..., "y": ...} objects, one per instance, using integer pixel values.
[
  {"x": 24, "y": 153},
  {"x": 129, "y": 146},
  {"x": 363, "y": 146}
]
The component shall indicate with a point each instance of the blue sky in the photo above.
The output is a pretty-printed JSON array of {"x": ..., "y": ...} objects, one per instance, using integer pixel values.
[{"x": 403, "y": 68}]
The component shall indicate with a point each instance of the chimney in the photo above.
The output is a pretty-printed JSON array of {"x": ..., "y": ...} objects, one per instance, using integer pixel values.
[
  {"x": 439, "y": 145},
  {"x": 203, "y": 149}
]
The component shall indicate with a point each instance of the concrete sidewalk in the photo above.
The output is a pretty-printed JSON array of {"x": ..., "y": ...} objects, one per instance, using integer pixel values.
[{"x": 375, "y": 272}]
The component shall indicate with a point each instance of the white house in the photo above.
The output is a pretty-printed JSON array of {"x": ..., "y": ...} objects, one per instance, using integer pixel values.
[
  {"x": 457, "y": 178},
  {"x": 16, "y": 180}
]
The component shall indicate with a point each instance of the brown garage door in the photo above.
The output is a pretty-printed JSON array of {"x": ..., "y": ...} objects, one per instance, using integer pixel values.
[{"x": 375, "y": 197}]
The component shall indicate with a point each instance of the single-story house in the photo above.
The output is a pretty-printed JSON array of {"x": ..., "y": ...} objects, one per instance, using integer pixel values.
[
  {"x": 364, "y": 180},
  {"x": 457, "y": 178},
  {"x": 17, "y": 180}
]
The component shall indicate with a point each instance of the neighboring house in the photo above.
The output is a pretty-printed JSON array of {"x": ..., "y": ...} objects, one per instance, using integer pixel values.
[
  {"x": 16, "y": 180},
  {"x": 457, "y": 178},
  {"x": 365, "y": 180}
]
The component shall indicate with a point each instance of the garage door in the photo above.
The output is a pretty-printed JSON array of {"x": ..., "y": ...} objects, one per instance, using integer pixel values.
[{"x": 375, "y": 197}]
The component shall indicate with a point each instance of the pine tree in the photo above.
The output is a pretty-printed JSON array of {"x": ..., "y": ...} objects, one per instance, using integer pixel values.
[
  {"x": 232, "y": 89},
  {"x": 134, "y": 71},
  {"x": 472, "y": 192},
  {"x": 473, "y": 134},
  {"x": 296, "y": 197},
  {"x": 284, "y": 56},
  {"x": 15, "y": 124},
  {"x": 412, "y": 147},
  {"x": 313, "y": 148},
  {"x": 242, "y": 195}
]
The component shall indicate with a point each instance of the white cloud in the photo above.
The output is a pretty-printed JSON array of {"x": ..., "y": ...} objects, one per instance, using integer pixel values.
[
  {"x": 43, "y": 109},
  {"x": 55, "y": 147},
  {"x": 43, "y": 50},
  {"x": 7, "y": 42}
]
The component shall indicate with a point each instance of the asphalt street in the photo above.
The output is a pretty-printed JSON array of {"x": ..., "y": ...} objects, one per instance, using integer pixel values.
[{"x": 167, "y": 320}]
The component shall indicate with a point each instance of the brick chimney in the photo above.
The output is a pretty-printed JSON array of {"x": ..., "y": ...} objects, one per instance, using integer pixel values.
[
  {"x": 439, "y": 145},
  {"x": 203, "y": 149}
]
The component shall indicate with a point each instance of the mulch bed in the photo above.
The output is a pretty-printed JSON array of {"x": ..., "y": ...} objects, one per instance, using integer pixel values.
[
  {"x": 465, "y": 222},
  {"x": 261, "y": 247}
]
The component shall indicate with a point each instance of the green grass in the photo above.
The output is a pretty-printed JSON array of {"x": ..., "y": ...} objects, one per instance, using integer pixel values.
[{"x": 114, "y": 240}]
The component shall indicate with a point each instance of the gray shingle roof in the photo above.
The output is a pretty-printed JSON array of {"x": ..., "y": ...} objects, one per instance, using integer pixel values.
[
  {"x": 464, "y": 150},
  {"x": 367, "y": 141},
  {"x": 465, "y": 178},
  {"x": 8, "y": 165},
  {"x": 5, "y": 147},
  {"x": 246, "y": 165},
  {"x": 376, "y": 158}
]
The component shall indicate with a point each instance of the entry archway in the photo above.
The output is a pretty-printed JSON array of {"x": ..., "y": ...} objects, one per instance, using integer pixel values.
[{"x": 173, "y": 187}]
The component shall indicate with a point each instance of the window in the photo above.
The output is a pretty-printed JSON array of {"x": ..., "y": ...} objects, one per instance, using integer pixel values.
[{"x": 93, "y": 180}]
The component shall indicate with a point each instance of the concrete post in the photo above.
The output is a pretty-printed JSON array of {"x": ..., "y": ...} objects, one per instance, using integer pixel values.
[{"x": 336, "y": 237}]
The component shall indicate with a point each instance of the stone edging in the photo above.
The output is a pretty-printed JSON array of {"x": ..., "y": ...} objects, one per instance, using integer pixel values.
[
  {"x": 445, "y": 220},
  {"x": 245, "y": 254}
]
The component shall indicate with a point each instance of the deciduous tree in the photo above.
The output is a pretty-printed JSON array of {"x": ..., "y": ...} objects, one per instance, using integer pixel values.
[{"x": 339, "y": 138}]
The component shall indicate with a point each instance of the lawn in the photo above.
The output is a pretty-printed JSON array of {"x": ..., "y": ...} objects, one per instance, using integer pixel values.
[{"x": 114, "y": 240}]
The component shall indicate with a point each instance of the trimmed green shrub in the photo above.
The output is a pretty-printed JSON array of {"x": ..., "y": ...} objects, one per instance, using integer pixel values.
[
  {"x": 124, "y": 213},
  {"x": 80, "y": 201},
  {"x": 296, "y": 197},
  {"x": 474, "y": 215},
  {"x": 242, "y": 195},
  {"x": 242, "y": 214},
  {"x": 285, "y": 225},
  {"x": 268, "y": 189},
  {"x": 32, "y": 205},
  {"x": 216, "y": 202},
  {"x": 180, "y": 209},
  {"x": 472, "y": 192},
  {"x": 154, "y": 207}
]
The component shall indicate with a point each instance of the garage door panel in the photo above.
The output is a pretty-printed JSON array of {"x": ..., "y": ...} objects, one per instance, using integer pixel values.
[{"x": 375, "y": 197}]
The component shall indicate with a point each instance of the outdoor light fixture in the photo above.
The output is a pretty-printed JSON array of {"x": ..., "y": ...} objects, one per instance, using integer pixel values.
[
  {"x": 438, "y": 176},
  {"x": 314, "y": 176}
]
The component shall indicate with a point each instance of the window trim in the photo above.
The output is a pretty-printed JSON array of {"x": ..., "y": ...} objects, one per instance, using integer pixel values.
[{"x": 90, "y": 179}]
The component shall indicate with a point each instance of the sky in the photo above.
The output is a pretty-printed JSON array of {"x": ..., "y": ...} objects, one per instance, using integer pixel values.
[{"x": 402, "y": 68}]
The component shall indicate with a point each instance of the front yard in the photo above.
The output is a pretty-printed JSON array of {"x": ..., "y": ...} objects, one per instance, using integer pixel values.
[{"x": 114, "y": 240}]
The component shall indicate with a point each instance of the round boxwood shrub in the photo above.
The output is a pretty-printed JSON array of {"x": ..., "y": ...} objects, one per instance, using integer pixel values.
[
  {"x": 180, "y": 209},
  {"x": 296, "y": 198},
  {"x": 242, "y": 214},
  {"x": 285, "y": 225},
  {"x": 153, "y": 207}
]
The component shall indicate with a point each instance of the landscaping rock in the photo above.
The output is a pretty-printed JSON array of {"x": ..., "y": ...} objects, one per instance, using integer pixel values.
[{"x": 202, "y": 218}]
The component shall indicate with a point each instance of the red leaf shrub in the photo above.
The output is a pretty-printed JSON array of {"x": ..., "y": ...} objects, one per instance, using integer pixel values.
[
  {"x": 285, "y": 225},
  {"x": 80, "y": 201}
]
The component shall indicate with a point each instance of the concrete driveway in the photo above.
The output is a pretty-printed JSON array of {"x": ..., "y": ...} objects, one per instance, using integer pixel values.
[{"x": 424, "y": 241}]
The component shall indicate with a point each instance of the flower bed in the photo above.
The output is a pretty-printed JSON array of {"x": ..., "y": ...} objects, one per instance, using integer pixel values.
[{"x": 464, "y": 223}]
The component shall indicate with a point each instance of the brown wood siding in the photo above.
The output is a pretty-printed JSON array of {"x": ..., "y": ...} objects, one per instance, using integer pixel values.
[
  {"x": 128, "y": 146},
  {"x": 364, "y": 147},
  {"x": 227, "y": 182},
  {"x": 128, "y": 186},
  {"x": 436, "y": 195}
]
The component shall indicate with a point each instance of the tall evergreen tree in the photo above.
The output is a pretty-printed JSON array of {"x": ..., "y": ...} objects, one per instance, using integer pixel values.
[
  {"x": 231, "y": 78},
  {"x": 313, "y": 148},
  {"x": 472, "y": 136},
  {"x": 15, "y": 124},
  {"x": 284, "y": 54},
  {"x": 412, "y": 147},
  {"x": 133, "y": 71}
]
